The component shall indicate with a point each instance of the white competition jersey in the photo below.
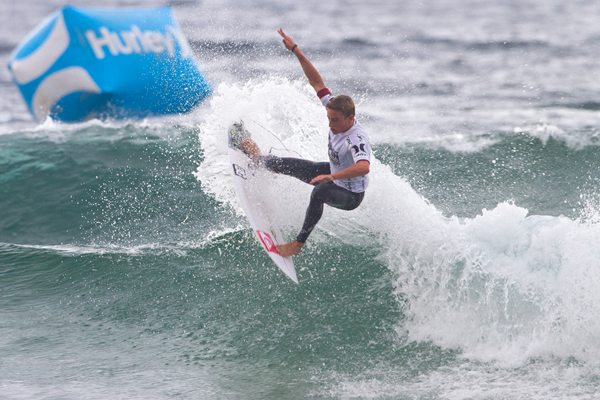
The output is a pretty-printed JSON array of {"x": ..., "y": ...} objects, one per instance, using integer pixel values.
[{"x": 346, "y": 149}]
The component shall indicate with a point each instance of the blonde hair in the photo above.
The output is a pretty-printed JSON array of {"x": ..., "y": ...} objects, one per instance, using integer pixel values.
[{"x": 343, "y": 104}]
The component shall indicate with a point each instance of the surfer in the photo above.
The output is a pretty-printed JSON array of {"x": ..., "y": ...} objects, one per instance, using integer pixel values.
[{"x": 339, "y": 183}]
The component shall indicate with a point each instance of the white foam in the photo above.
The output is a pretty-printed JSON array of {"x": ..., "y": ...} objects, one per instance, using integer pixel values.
[
  {"x": 512, "y": 287},
  {"x": 281, "y": 119},
  {"x": 470, "y": 380},
  {"x": 213, "y": 237},
  {"x": 574, "y": 138}
]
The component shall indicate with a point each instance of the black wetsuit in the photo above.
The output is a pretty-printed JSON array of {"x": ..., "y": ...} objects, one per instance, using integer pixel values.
[{"x": 330, "y": 193}]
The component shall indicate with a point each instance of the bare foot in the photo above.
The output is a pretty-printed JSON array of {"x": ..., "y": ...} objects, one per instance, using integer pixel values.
[
  {"x": 251, "y": 148},
  {"x": 289, "y": 249}
]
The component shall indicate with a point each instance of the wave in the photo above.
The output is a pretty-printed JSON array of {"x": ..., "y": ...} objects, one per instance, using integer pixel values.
[
  {"x": 387, "y": 294},
  {"x": 503, "y": 285},
  {"x": 483, "y": 46},
  {"x": 129, "y": 183},
  {"x": 496, "y": 288}
]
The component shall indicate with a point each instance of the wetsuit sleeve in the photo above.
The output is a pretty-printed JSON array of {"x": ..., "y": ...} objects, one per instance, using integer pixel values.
[{"x": 325, "y": 96}]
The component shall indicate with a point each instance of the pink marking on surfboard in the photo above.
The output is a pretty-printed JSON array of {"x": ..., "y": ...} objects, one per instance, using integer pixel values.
[{"x": 267, "y": 241}]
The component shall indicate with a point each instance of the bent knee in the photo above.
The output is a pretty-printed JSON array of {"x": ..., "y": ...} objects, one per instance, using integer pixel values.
[{"x": 320, "y": 192}]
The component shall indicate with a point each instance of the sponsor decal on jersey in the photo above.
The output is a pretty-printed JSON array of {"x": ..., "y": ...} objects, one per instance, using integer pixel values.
[
  {"x": 267, "y": 241},
  {"x": 334, "y": 156},
  {"x": 359, "y": 150}
]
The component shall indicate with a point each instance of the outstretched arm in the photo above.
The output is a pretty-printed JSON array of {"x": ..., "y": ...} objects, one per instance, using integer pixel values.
[
  {"x": 362, "y": 167},
  {"x": 310, "y": 71}
]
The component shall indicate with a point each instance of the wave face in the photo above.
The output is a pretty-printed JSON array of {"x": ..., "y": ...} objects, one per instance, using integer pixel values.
[{"x": 471, "y": 270}]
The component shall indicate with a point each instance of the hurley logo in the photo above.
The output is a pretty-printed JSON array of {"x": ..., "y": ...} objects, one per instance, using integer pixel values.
[
  {"x": 135, "y": 41},
  {"x": 359, "y": 149}
]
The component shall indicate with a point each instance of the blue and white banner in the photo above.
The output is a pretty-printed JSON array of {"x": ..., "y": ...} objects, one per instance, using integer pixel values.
[{"x": 118, "y": 63}]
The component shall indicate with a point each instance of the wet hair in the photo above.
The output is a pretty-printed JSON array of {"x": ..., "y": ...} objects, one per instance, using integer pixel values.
[{"x": 343, "y": 104}]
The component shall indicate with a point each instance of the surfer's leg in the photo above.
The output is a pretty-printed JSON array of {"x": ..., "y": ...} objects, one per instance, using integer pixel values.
[
  {"x": 343, "y": 199},
  {"x": 330, "y": 194},
  {"x": 326, "y": 193},
  {"x": 314, "y": 212},
  {"x": 304, "y": 170}
]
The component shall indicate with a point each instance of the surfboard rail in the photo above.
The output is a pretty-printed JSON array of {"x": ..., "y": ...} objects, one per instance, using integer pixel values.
[{"x": 247, "y": 185}]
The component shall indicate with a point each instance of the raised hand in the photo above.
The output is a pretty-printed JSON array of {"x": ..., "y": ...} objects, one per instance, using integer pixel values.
[{"x": 287, "y": 41}]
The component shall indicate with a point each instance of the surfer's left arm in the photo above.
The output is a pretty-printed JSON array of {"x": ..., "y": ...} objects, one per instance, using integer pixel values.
[{"x": 361, "y": 168}]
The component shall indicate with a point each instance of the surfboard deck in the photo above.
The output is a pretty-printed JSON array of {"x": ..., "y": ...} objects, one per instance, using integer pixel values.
[{"x": 247, "y": 184}]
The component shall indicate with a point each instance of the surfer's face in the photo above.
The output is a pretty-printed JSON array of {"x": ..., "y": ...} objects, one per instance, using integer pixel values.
[{"x": 337, "y": 122}]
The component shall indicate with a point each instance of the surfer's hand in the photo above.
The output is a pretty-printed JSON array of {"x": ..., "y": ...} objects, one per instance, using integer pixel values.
[
  {"x": 287, "y": 41},
  {"x": 321, "y": 179}
]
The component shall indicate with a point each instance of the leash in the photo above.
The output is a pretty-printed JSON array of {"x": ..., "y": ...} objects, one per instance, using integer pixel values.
[{"x": 276, "y": 137}]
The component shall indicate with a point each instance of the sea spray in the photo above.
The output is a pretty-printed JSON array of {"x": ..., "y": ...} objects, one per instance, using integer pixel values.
[
  {"x": 515, "y": 287},
  {"x": 502, "y": 285},
  {"x": 283, "y": 119}
]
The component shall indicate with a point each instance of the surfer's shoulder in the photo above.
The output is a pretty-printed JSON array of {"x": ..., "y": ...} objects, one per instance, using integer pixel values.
[{"x": 325, "y": 96}]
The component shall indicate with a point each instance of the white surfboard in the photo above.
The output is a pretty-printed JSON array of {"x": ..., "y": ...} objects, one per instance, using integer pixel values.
[{"x": 247, "y": 184}]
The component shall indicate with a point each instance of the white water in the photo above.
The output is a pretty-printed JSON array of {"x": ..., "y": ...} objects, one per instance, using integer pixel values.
[{"x": 502, "y": 289}]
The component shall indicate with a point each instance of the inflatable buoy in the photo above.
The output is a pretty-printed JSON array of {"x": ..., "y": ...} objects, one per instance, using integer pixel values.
[{"x": 107, "y": 63}]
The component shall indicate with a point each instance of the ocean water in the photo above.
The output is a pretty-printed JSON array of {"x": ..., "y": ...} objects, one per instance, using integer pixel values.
[{"x": 470, "y": 271}]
